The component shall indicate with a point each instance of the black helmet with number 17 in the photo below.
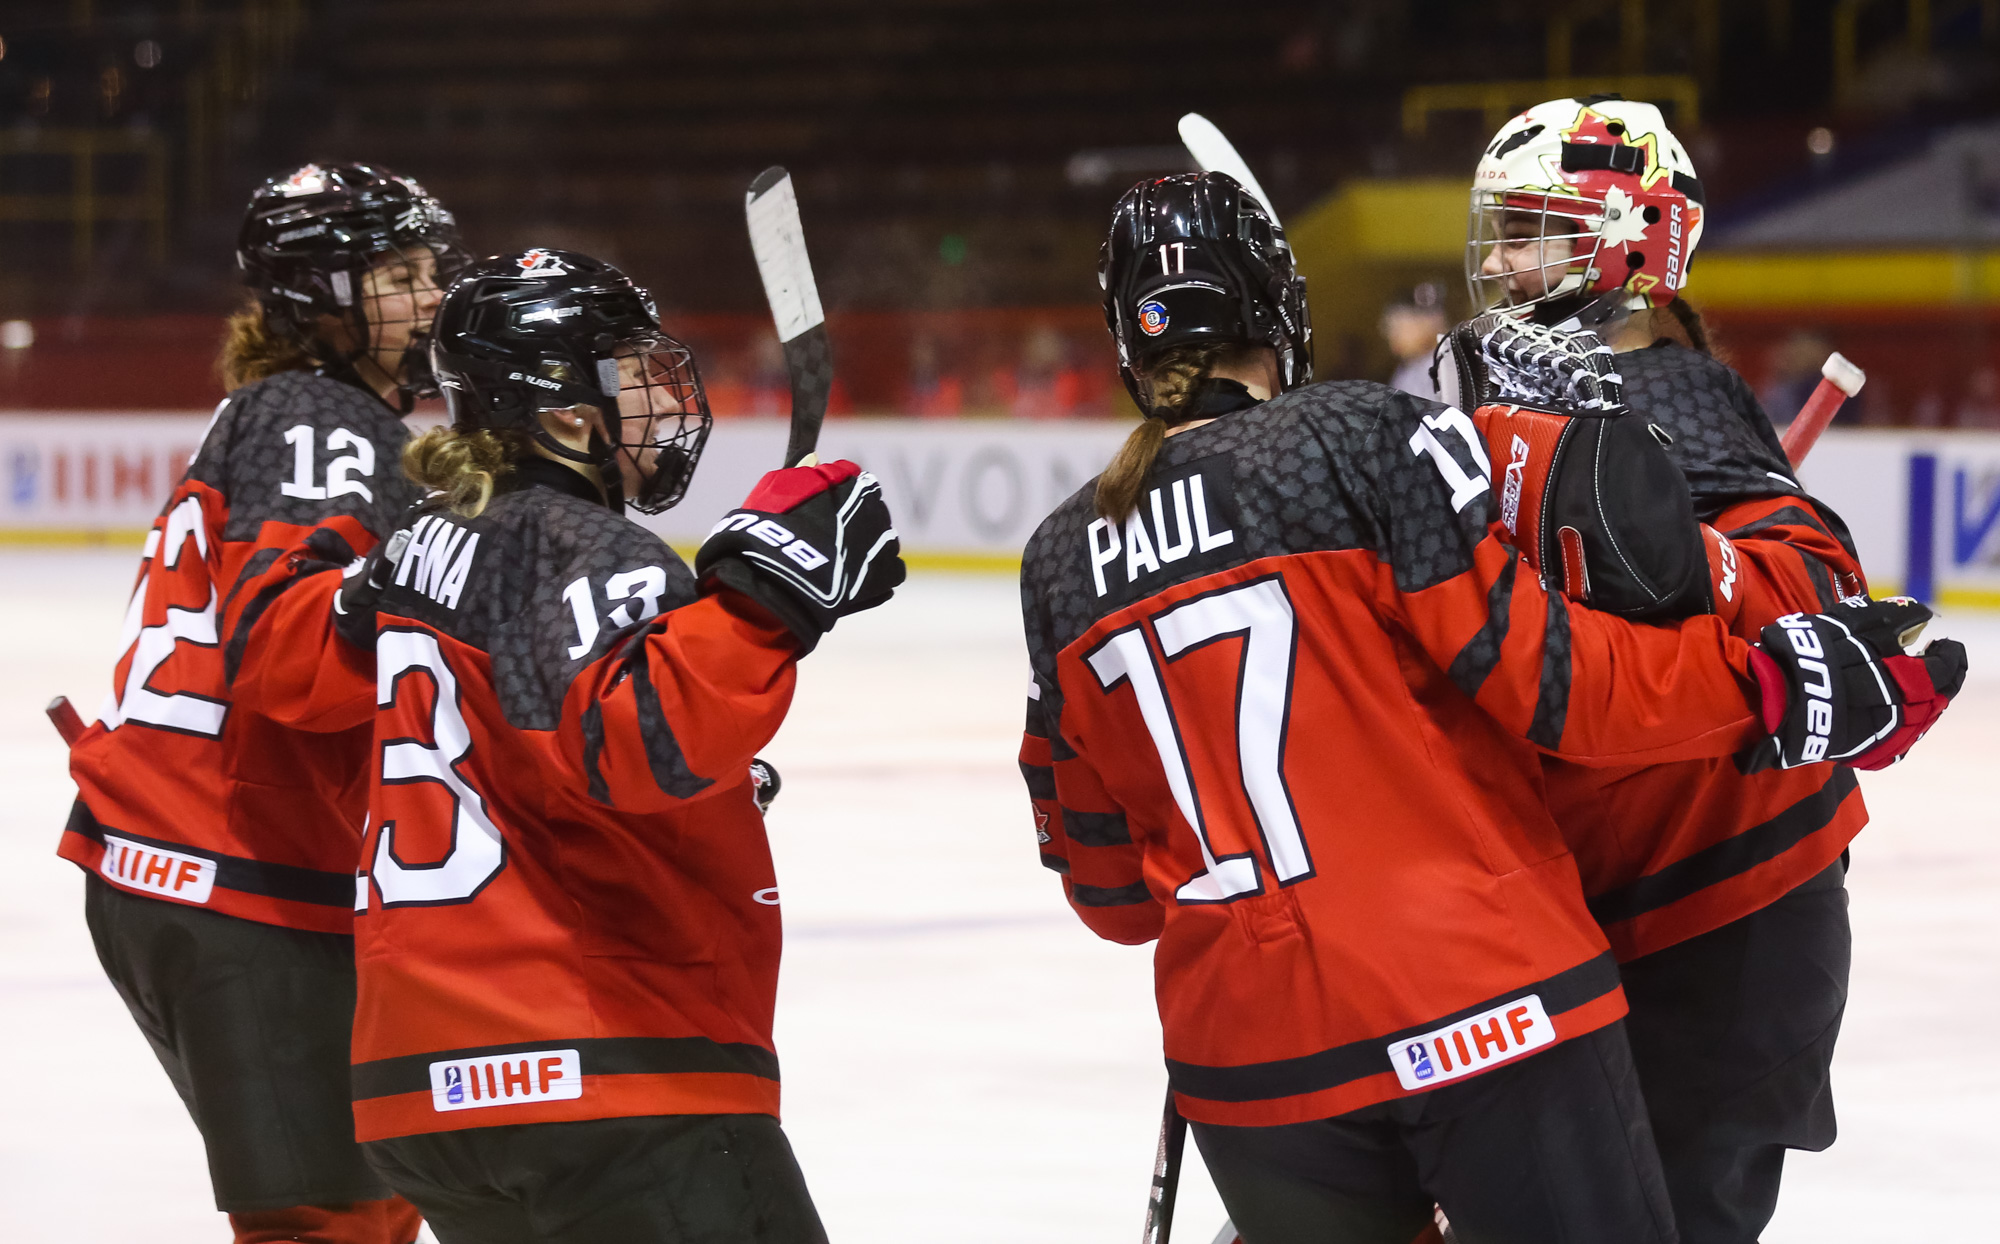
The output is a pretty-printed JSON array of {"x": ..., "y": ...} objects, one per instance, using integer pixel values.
[
  {"x": 1195, "y": 259},
  {"x": 549, "y": 329}
]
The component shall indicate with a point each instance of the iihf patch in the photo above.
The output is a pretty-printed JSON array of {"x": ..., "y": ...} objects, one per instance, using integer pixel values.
[{"x": 1152, "y": 318}]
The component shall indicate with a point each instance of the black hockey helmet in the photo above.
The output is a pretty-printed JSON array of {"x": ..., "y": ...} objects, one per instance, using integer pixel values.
[
  {"x": 1195, "y": 259},
  {"x": 309, "y": 238},
  {"x": 549, "y": 329}
]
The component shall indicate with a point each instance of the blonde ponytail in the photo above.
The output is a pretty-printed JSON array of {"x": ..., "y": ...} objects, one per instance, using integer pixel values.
[
  {"x": 1169, "y": 386},
  {"x": 464, "y": 466},
  {"x": 251, "y": 351}
]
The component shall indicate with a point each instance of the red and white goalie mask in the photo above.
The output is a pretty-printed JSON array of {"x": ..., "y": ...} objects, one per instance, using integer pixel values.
[{"x": 1577, "y": 198}]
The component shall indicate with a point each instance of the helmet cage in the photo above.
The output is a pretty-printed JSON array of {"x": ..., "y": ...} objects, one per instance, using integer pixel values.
[
  {"x": 1562, "y": 233},
  {"x": 513, "y": 346},
  {"x": 326, "y": 242}
]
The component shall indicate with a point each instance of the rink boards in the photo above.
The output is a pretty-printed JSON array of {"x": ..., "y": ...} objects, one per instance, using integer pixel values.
[{"x": 1924, "y": 506}]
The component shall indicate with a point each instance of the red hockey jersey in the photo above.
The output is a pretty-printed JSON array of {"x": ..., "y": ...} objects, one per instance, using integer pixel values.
[
  {"x": 1285, "y": 720},
  {"x": 568, "y": 906},
  {"x": 185, "y": 795},
  {"x": 1668, "y": 852}
]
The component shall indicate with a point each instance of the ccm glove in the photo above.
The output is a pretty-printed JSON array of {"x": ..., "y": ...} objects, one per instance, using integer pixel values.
[
  {"x": 811, "y": 544},
  {"x": 1839, "y": 686}
]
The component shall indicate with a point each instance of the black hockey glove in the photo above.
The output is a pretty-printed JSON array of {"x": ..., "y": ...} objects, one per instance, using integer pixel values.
[
  {"x": 1585, "y": 489},
  {"x": 361, "y": 591},
  {"x": 764, "y": 783},
  {"x": 810, "y": 544},
  {"x": 1839, "y": 686}
]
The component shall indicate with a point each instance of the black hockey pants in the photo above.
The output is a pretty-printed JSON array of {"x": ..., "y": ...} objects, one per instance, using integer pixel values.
[
  {"x": 1553, "y": 1149},
  {"x": 656, "y": 1179},
  {"x": 1733, "y": 1036}
]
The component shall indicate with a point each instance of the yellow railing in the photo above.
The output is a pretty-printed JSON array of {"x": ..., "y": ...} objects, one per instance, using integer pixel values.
[
  {"x": 82, "y": 206},
  {"x": 1499, "y": 100}
]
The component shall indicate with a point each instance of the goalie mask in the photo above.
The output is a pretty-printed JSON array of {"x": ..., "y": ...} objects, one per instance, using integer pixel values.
[
  {"x": 1196, "y": 260},
  {"x": 1578, "y": 199},
  {"x": 549, "y": 330},
  {"x": 358, "y": 243}
]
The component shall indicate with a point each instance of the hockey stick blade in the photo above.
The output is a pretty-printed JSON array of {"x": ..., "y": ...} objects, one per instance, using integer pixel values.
[
  {"x": 771, "y": 209},
  {"x": 1166, "y": 1175},
  {"x": 68, "y": 723},
  {"x": 1216, "y": 154}
]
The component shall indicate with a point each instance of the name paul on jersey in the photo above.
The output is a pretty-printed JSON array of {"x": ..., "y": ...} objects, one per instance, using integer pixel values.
[{"x": 1185, "y": 525}]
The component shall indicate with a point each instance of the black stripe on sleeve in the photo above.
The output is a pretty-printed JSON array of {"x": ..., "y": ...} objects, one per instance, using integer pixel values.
[
  {"x": 663, "y": 751},
  {"x": 1096, "y": 829},
  {"x": 1343, "y": 1064},
  {"x": 1552, "y": 702},
  {"x": 593, "y": 747},
  {"x": 1109, "y": 896},
  {"x": 1469, "y": 669},
  {"x": 1822, "y": 580},
  {"x": 598, "y": 1056},
  {"x": 1786, "y": 516},
  {"x": 1729, "y": 858},
  {"x": 1055, "y": 863},
  {"x": 1041, "y": 780}
]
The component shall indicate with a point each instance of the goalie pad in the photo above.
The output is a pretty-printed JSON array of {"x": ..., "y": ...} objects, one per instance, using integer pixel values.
[{"x": 1584, "y": 488}]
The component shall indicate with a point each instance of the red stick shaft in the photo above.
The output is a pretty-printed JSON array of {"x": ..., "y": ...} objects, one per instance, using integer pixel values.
[
  {"x": 68, "y": 723},
  {"x": 1818, "y": 411}
]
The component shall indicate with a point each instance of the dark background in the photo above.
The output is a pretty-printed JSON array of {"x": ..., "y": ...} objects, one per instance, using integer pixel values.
[{"x": 950, "y": 155}]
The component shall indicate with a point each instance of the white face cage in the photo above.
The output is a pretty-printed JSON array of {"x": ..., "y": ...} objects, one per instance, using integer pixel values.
[{"x": 1526, "y": 247}]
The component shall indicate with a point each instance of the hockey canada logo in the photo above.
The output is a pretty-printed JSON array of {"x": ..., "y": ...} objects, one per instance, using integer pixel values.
[
  {"x": 309, "y": 180},
  {"x": 539, "y": 262},
  {"x": 1474, "y": 1044},
  {"x": 506, "y": 1080},
  {"x": 1152, "y": 318}
]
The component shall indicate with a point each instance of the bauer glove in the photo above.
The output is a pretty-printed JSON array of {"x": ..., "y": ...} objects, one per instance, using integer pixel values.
[
  {"x": 810, "y": 544},
  {"x": 361, "y": 587},
  {"x": 1839, "y": 686}
]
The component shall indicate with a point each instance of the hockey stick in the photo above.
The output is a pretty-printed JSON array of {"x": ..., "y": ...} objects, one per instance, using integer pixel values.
[
  {"x": 1216, "y": 154},
  {"x": 1839, "y": 380},
  {"x": 68, "y": 723},
  {"x": 772, "y": 212},
  {"x": 1166, "y": 1175}
]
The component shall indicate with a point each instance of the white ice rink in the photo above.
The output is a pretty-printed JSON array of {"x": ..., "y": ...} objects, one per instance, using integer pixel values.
[{"x": 963, "y": 1061}]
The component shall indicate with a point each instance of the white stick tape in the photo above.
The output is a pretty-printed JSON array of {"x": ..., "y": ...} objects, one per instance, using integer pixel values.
[
  {"x": 780, "y": 246},
  {"x": 1845, "y": 376}
]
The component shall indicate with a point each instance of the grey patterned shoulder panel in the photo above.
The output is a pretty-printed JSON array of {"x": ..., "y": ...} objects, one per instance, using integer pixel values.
[
  {"x": 1338, "y": 465},
  {"x": 298, "y": 447},
  {"x": 551, "y": 584},
  {"x": 1723, "y": 441}
]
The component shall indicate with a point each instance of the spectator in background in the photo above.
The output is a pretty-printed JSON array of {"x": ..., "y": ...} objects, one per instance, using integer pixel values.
[
  {"x": 1412, "y": 328},
  {"x": 1981, "y": 407},
  {"x": 933, "y": 392},
  {"x": 770, "y": 386},
  {"x": 1047, "y": 384},
  {"x": 1794, "y": 374}
]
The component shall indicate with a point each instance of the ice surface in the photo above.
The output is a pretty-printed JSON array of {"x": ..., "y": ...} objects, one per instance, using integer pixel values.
[{"x": 963, "y": 1061}]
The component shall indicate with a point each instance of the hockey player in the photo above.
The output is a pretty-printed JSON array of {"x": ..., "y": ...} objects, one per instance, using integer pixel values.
[
  {"x": 1286, "y": 692},
  {"x": 1722, "y": 892},
  {"x": 221, "y": 845},
  {"x": 567, "y": 922}
]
